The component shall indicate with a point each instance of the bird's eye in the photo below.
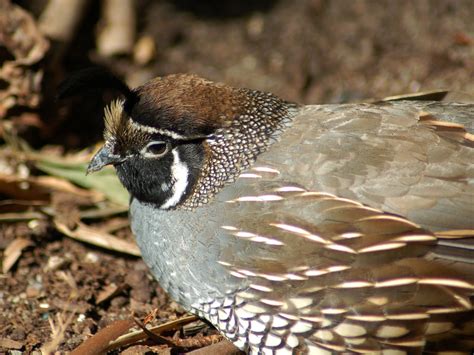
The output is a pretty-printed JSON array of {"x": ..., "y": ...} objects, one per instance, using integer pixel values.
[{"x": 157, "y": 148}]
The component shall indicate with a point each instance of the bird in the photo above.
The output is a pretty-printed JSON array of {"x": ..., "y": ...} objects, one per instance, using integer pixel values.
[{"x": 300, "y": 229}]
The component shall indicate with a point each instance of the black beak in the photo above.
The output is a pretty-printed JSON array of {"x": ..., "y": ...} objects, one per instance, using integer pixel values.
[{"x": 102, "y": 158}]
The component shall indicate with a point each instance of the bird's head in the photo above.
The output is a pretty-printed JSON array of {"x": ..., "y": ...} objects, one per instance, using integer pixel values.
[{"x": 176, "y": 140}]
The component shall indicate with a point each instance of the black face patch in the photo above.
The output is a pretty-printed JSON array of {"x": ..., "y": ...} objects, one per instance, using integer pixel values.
[
  {"x": 143, "y": 177},
  {"x": 152, "y": 180}
]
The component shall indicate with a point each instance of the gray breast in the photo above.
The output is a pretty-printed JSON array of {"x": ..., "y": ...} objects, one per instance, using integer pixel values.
[{"x": 182, "y": 249}]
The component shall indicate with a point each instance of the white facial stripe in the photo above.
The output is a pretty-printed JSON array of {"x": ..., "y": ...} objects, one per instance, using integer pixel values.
[
  {"x": 179, "y": 173},
  {"x": 154, "y": 130}
]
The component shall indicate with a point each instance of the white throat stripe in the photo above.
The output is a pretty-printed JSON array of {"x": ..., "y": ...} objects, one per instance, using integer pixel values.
[{"x": 179, "y": 173}]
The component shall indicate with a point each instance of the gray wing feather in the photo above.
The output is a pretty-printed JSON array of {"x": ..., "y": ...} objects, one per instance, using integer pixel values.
[{"x": 410, "y": 158}]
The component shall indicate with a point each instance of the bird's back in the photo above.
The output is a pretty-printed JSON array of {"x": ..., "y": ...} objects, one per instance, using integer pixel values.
[{"x": 412, "y": 158}]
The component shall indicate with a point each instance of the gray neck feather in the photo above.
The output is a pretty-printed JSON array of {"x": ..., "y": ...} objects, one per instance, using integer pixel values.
[{"x": 234, "y": 148}]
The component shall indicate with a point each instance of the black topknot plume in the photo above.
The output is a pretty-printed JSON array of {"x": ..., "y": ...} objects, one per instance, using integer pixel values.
[{"x": 96, "y": 78}]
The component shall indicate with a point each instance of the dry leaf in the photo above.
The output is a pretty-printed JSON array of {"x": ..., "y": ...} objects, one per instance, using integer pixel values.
[
  {"x": 99, "y": 238},
  {"x": 39, "y": 188},
  {"x": 99, "y": 341},
  {"x": 13, "y": 252},
  {"x": 26, "y": 44}
]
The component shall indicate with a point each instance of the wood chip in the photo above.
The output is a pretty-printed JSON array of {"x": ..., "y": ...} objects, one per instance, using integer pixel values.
[
  {"x": 10, "y": 344},
  {"x": 223, "y": 347},
  {"x": 108, "y": 292}
]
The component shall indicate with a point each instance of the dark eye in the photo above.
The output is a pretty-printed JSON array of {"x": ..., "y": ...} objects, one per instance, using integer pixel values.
[{"x": 157, "y": 148}]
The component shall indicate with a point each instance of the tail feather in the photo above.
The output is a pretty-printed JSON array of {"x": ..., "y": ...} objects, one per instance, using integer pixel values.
[
  {"x": 456, "y": 249},
  {"x": 96, "y": 78}
]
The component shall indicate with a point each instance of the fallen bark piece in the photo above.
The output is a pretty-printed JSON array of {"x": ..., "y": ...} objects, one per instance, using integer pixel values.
[
  {"x": 223, "y": 347},
  {"x": 62, "y": 28}
]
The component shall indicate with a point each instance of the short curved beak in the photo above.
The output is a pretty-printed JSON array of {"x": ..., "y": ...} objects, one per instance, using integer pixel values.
[{"x": 102, "y": 158}]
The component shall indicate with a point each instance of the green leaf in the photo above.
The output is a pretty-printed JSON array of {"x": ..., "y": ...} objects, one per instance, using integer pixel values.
[{"x": 105, "y": 181}]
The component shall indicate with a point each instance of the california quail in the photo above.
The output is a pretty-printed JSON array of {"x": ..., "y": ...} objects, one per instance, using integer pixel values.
[{"x": 301, "y": 229}]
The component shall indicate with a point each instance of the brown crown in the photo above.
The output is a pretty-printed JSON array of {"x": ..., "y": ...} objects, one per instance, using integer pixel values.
[{"x": 187, "y": 104}]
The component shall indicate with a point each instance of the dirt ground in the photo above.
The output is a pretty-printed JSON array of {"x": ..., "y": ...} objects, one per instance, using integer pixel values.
[{"x": 307, "y": 50}]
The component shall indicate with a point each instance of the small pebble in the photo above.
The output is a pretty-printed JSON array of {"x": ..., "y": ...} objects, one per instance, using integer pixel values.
[
  {"x": 33, "y": 224},
  {"x": 32, "y": 292},
  {"x": 91, "y": 257}
]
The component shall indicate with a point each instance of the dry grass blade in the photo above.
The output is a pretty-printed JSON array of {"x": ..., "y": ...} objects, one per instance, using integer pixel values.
[
  {"x": 158, "y": 339},
  {"x": 103, "y": 341},
  {"x": 62, "y": 322},
  {"x": 20, "y": 216},
  {"x": 58, "y": 328},
  {"x": 139, "y": 335},
  {"x": 59, "y": 184},
  {"x": 13, "y": 252},
  {"x": 99, "y": 238},
  {"x": 104, "y": 212}
]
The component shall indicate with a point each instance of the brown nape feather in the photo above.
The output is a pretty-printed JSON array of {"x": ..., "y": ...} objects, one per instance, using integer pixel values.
[
  {"x": 193, "y": 106},
  {"x": 187, "y": 103}
]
